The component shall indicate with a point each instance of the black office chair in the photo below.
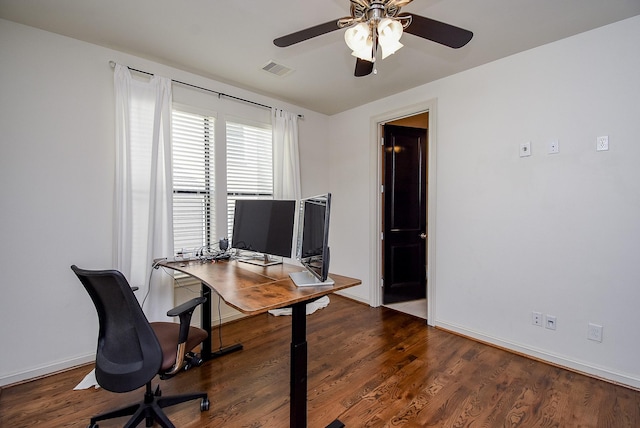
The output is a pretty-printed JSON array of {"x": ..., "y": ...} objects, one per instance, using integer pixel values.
[{"x": 131, "y": 351}]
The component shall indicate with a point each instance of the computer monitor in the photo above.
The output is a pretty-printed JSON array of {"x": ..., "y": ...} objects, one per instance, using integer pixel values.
[
  {"x": 263, "y": 226},
  {"x": 313, "y": 241}
]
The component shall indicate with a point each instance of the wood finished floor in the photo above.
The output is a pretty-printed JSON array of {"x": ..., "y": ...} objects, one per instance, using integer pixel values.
[{"x": 369, "y": 367}]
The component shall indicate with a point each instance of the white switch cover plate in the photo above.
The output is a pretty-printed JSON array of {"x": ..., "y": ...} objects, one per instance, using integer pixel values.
[
  {"x": 525, "y": 149},
  {"x": 602, "y": 143},
  {"x": 554, "y": 146},
  {"x": 595, "y": 332}
]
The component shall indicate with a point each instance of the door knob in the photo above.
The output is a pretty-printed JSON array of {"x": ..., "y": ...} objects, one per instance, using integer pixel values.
[{"x": 423, "y": 235}]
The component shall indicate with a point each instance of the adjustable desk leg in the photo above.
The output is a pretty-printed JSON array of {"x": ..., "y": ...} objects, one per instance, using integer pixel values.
[
  {"x": 298, "y": 401},
  {"x": 205, "y": 322},
  {"x": 298, "y": 404}
]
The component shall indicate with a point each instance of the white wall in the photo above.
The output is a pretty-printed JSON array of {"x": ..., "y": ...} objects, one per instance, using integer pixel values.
[
  {"x": 555, "y": 233},
  {"x": 56, "y": 170}
]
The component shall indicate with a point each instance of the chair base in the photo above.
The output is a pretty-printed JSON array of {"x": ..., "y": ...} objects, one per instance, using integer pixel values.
[{"x": 150, "y": 409}]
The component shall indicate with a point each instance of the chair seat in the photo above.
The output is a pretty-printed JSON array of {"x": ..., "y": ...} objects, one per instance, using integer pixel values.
[{"x": 167, "y": 333}]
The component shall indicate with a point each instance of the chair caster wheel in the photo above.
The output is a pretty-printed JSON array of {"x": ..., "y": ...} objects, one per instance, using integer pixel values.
[
  {"x": 204, "y": 405},
  {"x": 194, "y": 359}
]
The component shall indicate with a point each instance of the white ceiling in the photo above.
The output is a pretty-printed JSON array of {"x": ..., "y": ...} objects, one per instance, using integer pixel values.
[{"x": 230, "y": 41}]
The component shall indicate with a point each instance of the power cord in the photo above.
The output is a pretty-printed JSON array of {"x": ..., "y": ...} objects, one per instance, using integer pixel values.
[
  {"x": 219, "y": 323},
  {"x": 153, "y": 267}
]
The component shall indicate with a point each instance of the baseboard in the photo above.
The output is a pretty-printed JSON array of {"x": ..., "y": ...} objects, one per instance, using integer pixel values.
[
  {"x": 346, "y": 294},
  {"x": 46, "y": 370},
  {"x": 544, "y": 356},
  {"x": 50, "y": 369},
  {"x": 227, "y": 319}
]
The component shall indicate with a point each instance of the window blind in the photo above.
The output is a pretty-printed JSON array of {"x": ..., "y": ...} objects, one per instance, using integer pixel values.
[
  {"x": 249, "y": 165},
  {"x": 193, "y": 180}
]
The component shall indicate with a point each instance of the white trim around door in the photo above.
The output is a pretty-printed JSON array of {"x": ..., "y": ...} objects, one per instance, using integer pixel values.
[{"x": 375, "y": 252}]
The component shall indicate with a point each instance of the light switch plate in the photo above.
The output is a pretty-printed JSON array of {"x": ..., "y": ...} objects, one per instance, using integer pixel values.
[
  {"x": 554, "y": 147},
  {"x": 602, "y": 143}
]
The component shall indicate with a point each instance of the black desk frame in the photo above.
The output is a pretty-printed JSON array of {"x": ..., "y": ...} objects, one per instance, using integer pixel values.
[
  {"x": 205, "y": 322},
  {"x": 299, "y": 355}
]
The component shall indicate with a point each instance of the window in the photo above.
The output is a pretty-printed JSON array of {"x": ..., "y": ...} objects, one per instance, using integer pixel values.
[
  {"x": 193, "y": 180},
  {"x": 249, "y": 171},
  {"x": 249, "y": 165}
]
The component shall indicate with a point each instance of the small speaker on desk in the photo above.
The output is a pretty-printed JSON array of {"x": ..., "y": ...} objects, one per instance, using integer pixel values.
[{"x": 224, "y": 244}]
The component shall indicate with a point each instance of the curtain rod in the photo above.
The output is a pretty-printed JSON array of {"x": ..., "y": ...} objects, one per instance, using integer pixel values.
[{"x": 219, "y": 94}]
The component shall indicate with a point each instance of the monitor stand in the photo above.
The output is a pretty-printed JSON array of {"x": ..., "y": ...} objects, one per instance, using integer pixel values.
[
  {"x": 259, "y": 260},
  {"x": 306, "y": 279}
]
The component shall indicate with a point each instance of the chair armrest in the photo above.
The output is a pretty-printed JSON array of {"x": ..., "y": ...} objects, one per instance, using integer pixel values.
[
  {"x": 186, "y": 306},
  {"x": 184, "y": 311}
]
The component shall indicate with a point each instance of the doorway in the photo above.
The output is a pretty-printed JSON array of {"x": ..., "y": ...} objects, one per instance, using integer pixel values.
[
  {"x": 421, "y": 116},
  {"x": 404, "y": 221}
]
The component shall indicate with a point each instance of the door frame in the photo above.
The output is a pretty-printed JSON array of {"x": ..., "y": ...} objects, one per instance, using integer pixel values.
[{"x": 376, "y": 132}]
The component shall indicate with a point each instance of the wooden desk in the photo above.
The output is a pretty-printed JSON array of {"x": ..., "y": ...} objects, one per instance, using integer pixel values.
[{"x": 254, "y": 290}]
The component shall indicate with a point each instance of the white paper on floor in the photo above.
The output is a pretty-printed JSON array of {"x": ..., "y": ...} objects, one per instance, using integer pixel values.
[
  {"x": 88, "y": 381},
  {"x": 322, "y": 302}
]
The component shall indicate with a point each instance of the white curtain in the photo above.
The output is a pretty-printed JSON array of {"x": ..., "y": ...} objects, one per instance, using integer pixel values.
[
  {"x": 143, "y": 223},
  {"x": 286, "y": 159}
]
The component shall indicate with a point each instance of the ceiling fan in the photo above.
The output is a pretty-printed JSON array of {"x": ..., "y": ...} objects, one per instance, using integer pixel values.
[{"x": 377, "y": 24}]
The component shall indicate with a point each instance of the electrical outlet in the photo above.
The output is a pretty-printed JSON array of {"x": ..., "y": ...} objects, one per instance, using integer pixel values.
[
  {"x": 550, "y": 322},
  {"x": 536, "y": 318},
  {"x": 602, "y": 143},
  {"x": 525, "y": 149},
  {"x": 594, "y": 332}
]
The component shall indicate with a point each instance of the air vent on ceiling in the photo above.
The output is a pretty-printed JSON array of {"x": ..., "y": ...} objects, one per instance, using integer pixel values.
[{"x": 277, "y": 69}]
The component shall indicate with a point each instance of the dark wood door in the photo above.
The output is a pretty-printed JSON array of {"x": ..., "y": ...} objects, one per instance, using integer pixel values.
[{"x": 405, "y": 220}]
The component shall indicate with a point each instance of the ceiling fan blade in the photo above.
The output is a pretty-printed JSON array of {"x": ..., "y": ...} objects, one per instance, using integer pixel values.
[
  {"x": 306, "y": 34},
  {"x": 439, "y": 32},
  {"x": 363, "y": 67}
]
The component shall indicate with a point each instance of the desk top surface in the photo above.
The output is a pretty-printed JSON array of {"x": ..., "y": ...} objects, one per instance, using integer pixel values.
[{"x": 255, "y": 289}]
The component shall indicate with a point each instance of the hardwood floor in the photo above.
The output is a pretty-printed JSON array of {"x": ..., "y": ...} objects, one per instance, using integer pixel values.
[{"x": 369, "y": 367}]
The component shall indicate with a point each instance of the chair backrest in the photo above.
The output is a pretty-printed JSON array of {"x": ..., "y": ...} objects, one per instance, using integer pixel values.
[{"x": 128, "y": 354}]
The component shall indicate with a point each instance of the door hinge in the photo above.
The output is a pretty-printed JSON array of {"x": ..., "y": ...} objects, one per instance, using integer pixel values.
[
  {"x": 382, "y": 188},
  {"x": 381, "y": 282},
  {"x": 382, "y": 141},
  {"x": 382, "y": 236}
]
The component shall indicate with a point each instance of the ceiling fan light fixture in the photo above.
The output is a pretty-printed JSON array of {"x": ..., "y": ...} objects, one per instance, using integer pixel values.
[
  {"x": 390, "y": 29},
  {"x": 380, "y": 23},
  {"x": 389, "y": 33},
  {"x": 365, "y": 53},
  {"x": 358, "y": 38},
  {"x": 389, "y": 47}
]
